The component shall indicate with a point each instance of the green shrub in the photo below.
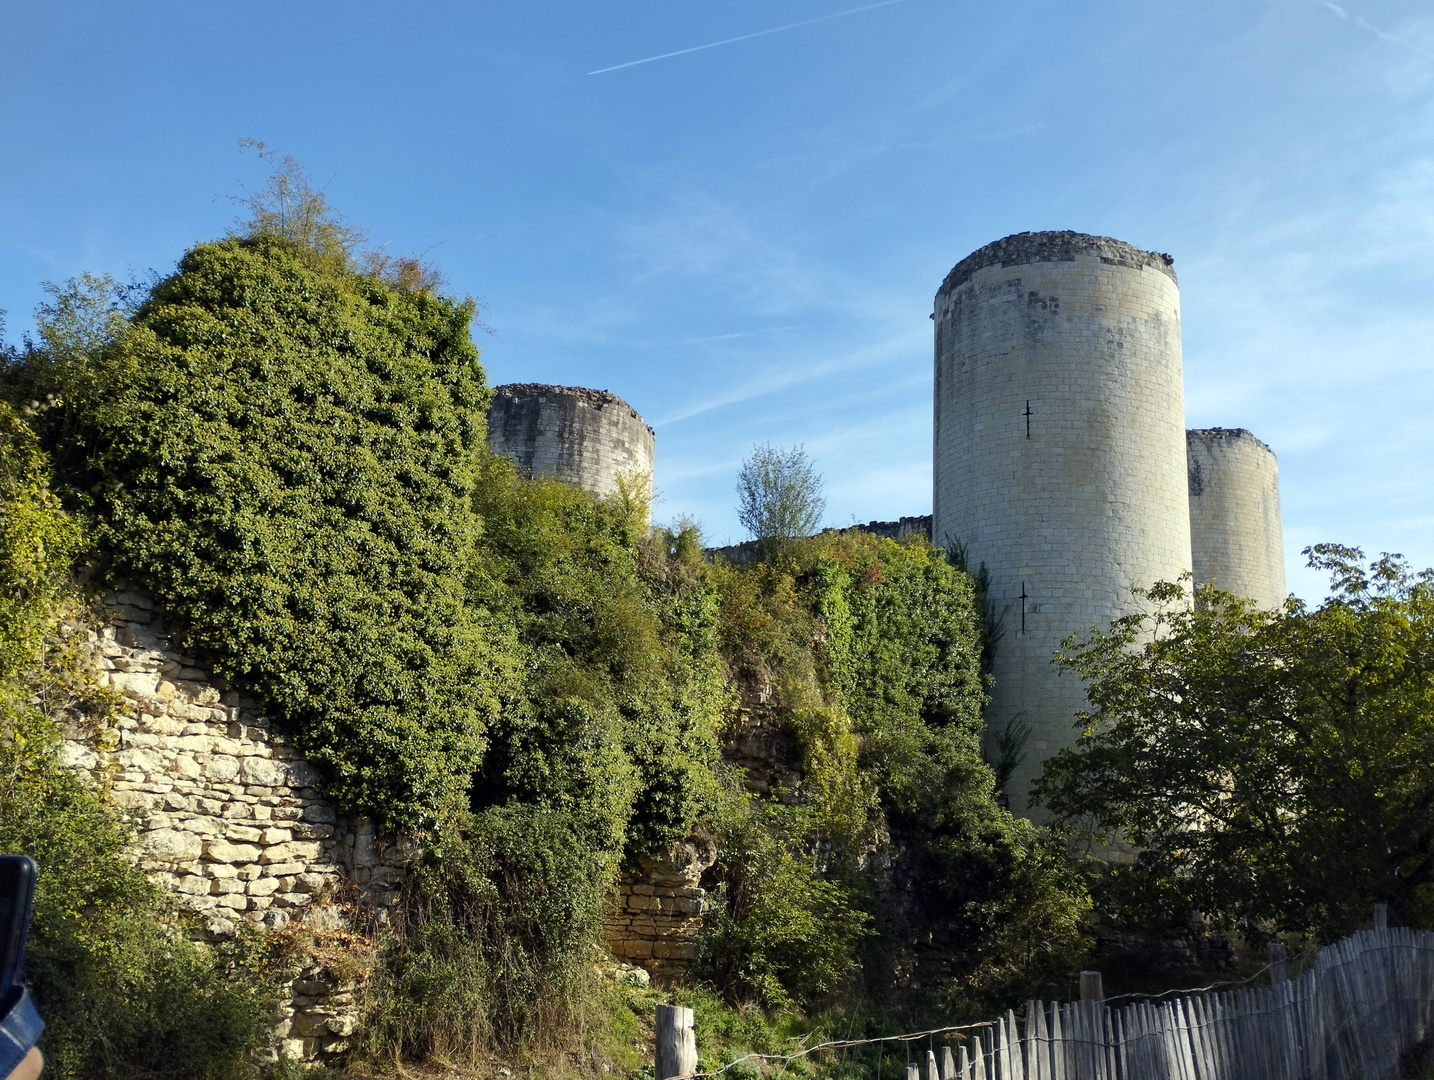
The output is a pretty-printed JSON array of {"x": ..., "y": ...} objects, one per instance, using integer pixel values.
[
  {"x": 779, "y": 931},
  {"x": 494, "y": 944}
]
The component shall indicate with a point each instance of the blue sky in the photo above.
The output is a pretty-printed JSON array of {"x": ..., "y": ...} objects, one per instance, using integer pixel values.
[{"x": 744, "y": 241}]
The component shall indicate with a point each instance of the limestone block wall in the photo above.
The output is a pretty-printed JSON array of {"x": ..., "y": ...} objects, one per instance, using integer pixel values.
[
  {"x": 654, "y": 920},
  {"x": 230, "y": 821},
  {"x": 1236, "y": 538},
  {"x": 1059, "y": 452},
  {"x": 583, "y": 437}
]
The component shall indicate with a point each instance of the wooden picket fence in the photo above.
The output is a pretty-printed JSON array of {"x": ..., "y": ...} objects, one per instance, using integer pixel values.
[{"x": 1366, "y": 1001}]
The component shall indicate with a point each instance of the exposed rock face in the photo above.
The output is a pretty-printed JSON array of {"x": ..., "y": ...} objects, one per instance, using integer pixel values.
[
  {"x": 230, "y": 820},
  {"x": 763, "y": 746}
]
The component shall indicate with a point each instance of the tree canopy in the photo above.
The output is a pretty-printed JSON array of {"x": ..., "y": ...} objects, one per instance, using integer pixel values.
[
  {"x": 1275, "y": 769},
  {"x": 779, "y": 493}
]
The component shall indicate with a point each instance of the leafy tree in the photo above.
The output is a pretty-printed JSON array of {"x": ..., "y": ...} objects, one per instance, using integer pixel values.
[
  {"x": 779, "y": 493},
  {"x": 1275, "y": 769}
]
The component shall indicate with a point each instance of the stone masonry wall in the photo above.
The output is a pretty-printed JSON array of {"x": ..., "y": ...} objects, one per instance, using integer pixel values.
[
  {"x": 591, "y": 438},
  {"x": 654, "y": 920},
  {"x": 230, "y": 820}
]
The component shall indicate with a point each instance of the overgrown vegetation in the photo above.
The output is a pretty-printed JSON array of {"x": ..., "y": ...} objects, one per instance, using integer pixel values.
[
  {"x": 284, "y": 441},
  {"x": 873, "y": 654}
]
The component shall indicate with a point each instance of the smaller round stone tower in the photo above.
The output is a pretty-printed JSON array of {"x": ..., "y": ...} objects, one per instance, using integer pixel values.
[
  {"x": 1235, "y": 533},
  {"x": 585, "y": 437}
]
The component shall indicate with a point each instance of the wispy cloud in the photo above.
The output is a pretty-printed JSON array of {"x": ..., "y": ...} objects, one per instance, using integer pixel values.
[
  {"x": 745, "y": 37},
  {"x": 710, "y": 339},
  {"x": 1365, "y": 24},
  {"x": 791, "y": 375}
]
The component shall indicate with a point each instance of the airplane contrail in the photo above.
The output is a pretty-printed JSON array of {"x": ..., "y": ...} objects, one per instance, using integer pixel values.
[
  {"x": 745, "y": 37},
  {"x": 1361, "y": 21}
]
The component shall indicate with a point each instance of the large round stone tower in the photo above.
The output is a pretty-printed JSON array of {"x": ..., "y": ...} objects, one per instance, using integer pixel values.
[
  {"x": 1235, "y": 533},
  {"x": 584, "y": 437},
  {"x": 1059, "y": 454}
]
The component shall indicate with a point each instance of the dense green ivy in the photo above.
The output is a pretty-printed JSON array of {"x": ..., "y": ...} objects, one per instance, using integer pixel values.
[
  {"x": 284, "y": 452},
  {"x": 875, "y": 651},
  {"x": 623, "y": 693}
]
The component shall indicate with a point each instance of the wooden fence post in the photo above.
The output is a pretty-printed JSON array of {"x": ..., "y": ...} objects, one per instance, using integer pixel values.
[
  {"x": 948, "y": 1064},
  {"x": 676, "y": 1042},
  {"x": 1279, "y": 967},
  {"x": 1090, "y": 986},
  {"x": 1381, "y": 916}
]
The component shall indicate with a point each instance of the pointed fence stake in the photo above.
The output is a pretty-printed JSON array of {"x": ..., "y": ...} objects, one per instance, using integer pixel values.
[
  {"x": 1279, "y": 966},
  {"x": 1090, "y": 986}
]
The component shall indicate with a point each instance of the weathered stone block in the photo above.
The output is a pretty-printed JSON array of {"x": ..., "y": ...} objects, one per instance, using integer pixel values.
[
  {"x": 259, "y": 772},
  {"x": 139, "y": 683},
  {"x": 221, "y": 768},
  {"x": 173, "y": 845},
  {"x": 222, "y": 851},
  {"x": 293, "y": 851}
]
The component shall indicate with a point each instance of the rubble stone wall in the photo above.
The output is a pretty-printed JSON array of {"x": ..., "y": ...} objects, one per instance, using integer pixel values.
[
  {"x": 230, "y": 821},
  {"x": 656, "y": 917}
]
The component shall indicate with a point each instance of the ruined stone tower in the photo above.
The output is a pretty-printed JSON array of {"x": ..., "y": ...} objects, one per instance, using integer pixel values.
[
  {"x": 584, "y": 437},
  {"x": 1059, "y": 453},
  {"x": 1235, "y": 533}
]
